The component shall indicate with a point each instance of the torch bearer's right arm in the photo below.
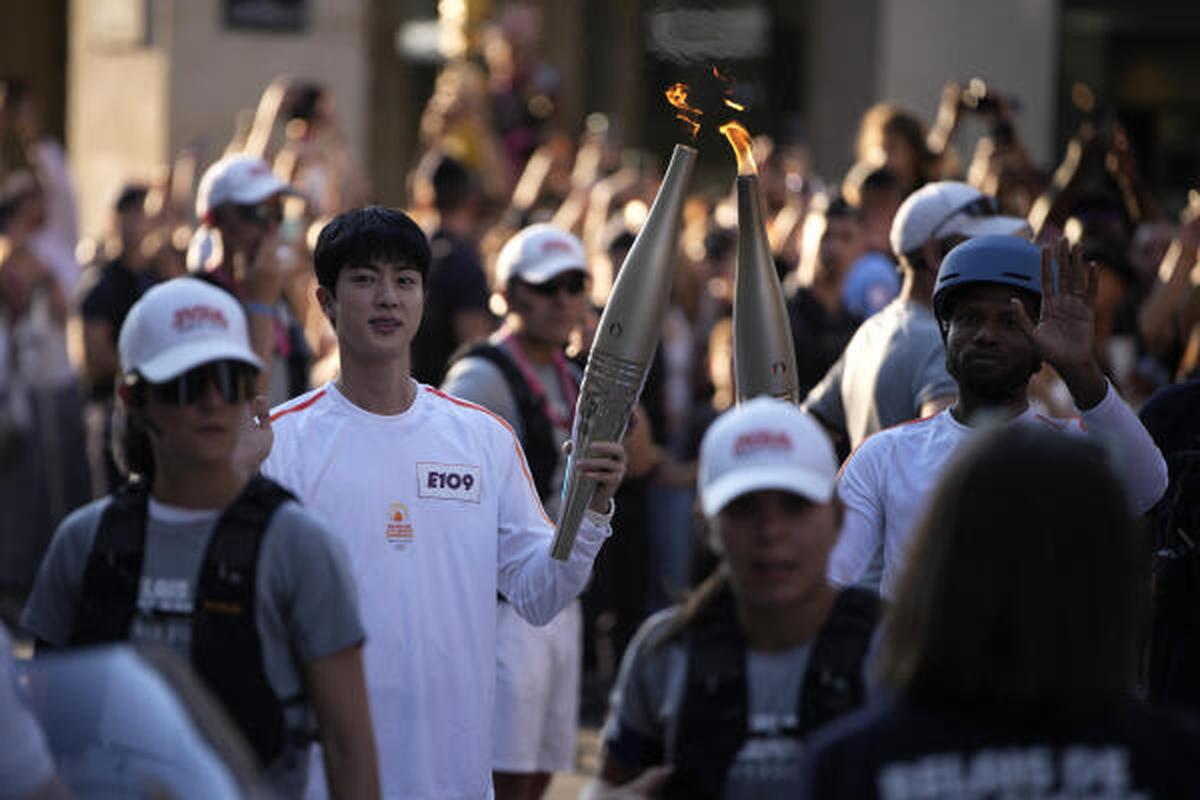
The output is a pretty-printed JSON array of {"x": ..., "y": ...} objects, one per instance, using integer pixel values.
[{"x": 536, "y": 585}]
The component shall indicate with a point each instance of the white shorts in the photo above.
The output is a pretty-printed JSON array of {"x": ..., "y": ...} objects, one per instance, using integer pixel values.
[{"x": 537, "y": 691}]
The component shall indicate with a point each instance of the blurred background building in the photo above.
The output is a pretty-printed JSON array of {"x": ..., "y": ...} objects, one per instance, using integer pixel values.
[{"x": 129, "y": 83}]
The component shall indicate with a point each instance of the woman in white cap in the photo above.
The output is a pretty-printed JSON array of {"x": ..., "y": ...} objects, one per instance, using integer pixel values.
[
  {"x": 725, "y": 687},
  {"x": 226, "y": 569}
]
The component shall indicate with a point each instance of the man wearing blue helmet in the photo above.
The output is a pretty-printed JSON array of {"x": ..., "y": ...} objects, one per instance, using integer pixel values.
[{"x": 1002, "y": 312}]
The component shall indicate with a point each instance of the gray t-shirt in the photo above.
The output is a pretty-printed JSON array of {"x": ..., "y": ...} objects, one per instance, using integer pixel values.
[
  {"x": 894, "y": 363},
  {"x": 306, "y": 606},
  {"x": 646, "y": 700},
  {"x": 480, "y": 381}
]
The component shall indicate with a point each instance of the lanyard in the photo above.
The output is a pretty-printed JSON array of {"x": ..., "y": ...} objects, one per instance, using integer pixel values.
[{"x": 569, "y": 390}]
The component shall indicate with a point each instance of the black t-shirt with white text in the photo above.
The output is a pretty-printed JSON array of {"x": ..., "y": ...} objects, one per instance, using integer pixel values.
[{"x": 894, "y": 751}]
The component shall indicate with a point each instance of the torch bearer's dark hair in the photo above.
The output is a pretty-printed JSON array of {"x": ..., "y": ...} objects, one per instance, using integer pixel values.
[
  {"x": 1026, "y": 590},
  {"x": 368, "y": 235}
]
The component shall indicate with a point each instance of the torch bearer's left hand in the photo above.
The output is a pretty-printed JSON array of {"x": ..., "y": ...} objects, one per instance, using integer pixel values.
[{"x": 605, "y": 464}]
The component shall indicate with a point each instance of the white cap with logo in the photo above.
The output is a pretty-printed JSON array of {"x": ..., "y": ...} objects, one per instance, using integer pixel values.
[
  {"x": 181, "y": 324},
  {"x": 949, "y": 208},
  {"x": 538, "y": 254},
  {"x": 763, "y": 444},
  {"x": 240, "y": 179}
]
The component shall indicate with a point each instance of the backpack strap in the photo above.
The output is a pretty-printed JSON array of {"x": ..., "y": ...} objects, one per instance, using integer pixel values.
[
  {"x": 226, "y": 646},
  {"x": 537, "y": 438},
  {"x": 833, "y": 682},
  {"x": 713, "y": 717},
  {"x": 108, "y": 598}
]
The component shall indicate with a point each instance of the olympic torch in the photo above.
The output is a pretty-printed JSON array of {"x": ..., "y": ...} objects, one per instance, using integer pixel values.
[
  {"x": 626, "y": 336},
  {"x": 764, "y": 355}
]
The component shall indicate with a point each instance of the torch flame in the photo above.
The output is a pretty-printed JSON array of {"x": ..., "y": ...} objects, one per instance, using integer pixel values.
[
  {"x": 677, "y": 96},
  {"x": 739, "y": 139}
]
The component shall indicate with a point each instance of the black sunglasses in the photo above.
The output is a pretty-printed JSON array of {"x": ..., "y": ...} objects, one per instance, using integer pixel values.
[
  {"x": 982, "y": 206},
  {"x": 234, "y": 381},
  {"x": 572, "y": 283},
  {"x": 261, "y": 213}
]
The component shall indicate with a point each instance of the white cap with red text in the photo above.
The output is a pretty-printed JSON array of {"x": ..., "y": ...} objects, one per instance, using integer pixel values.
[
  {"x": 764, "y": 444},
  {"x": 538, "y": 254},
  {"x": 181, "y": 324},
  {"x": 240, "y": 179}
]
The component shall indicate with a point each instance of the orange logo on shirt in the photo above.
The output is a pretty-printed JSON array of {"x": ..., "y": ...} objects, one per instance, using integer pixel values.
[{"x": 399, "y": 527}]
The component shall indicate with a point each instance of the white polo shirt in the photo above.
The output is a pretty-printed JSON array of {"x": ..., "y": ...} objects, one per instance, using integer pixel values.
[{"x": 437, "y": 512}]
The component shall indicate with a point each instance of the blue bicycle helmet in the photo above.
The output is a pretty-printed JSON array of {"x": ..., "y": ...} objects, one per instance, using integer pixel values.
[{"x": 1007, "y": 260}]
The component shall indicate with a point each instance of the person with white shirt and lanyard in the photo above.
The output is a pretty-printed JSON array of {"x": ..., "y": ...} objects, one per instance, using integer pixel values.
[
  {"x": 989, "y": 292},
  {"x": 436, "y": 505},
  {"x": 522, "y": 374}
]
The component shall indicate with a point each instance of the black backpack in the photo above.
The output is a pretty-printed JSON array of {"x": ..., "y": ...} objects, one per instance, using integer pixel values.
[
  {"x": 538, "y": 432},
  {"x": 713, "y": 717},
  {"x": 226, "y": 650}
]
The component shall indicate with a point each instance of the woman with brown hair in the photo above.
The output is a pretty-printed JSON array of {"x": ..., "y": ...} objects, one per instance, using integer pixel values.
[
  {"x": 893, "y": 137},
  {"x": 1012, "y": 650}
]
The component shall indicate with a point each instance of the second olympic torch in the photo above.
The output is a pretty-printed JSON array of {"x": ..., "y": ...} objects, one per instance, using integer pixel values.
[
  {"x": 764, "y": 354},
  {"x": 626, "y": 336}
]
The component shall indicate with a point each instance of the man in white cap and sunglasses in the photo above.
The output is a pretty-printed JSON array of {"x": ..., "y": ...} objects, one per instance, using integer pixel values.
[
  {"x": 239, "y": 203},
  {"x": 893, "y": 369},
  {"x": 227, "y": 570},
  {"x": 522, "y": 374},
  {"x": 725, "y": 687}
]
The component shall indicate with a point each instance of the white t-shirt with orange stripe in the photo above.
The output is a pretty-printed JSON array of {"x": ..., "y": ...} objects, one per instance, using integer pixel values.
[{"x": 437, "y": 512}]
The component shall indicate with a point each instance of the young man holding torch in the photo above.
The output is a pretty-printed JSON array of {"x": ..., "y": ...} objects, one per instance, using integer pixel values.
[{"x": 434, "y": 500}]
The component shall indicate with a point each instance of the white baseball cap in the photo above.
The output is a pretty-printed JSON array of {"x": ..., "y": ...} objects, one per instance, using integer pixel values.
[
  {"x": 538, "y": 254},
  {"x": 949, "y": 208},
  {"x": 240, "y": 179},
  {"x": 181, "y": 324},
  {"x": 762, "y": 444}
]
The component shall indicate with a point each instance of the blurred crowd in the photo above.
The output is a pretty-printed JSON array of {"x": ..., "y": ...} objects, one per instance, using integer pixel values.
[{"x": 495, "y": 158}]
